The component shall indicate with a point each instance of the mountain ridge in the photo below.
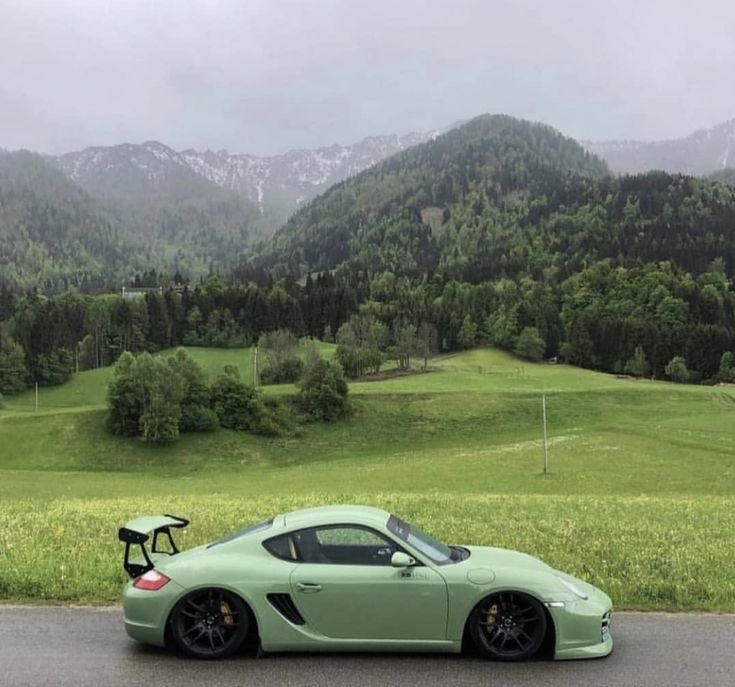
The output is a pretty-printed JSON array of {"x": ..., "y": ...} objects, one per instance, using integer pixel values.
[
  {"x": 700, "y": 153},
  {"x": 278, "y": 184}
]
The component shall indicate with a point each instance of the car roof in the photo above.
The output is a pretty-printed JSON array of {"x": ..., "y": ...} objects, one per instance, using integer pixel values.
[{"x": 333, "y": 515}]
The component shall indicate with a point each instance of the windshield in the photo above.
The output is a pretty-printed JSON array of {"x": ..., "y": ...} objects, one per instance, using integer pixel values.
[{"x": 413, "y": 536}]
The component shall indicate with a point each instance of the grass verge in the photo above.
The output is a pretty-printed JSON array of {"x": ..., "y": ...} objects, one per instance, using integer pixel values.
[{"x": 648, "y": 553}]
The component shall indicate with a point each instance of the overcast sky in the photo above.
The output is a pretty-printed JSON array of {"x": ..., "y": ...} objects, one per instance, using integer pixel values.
[{"x": 264, "y": 76}]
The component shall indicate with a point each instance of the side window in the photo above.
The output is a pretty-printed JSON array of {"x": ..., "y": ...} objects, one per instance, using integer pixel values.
[
  {"x": 282, "y": 547},
  {"x": 349, "y": 536},
  {"x": 344, "y": 545}
]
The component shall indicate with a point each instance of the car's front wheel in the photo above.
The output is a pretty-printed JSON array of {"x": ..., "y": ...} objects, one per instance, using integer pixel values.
[
  {"x": 508, "y": 626},
  {"x": 210, "y": 623}
]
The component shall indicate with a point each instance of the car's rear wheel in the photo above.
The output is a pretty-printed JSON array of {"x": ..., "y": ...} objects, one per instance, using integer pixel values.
[
  {"x": 210, "y": 623},
  {"x": 508, "y": 626}
]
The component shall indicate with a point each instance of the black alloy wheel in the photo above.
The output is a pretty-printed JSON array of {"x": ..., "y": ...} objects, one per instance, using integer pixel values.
[
  {"x": 210, "y": 623},
  {"x": 508, "y": 626}
]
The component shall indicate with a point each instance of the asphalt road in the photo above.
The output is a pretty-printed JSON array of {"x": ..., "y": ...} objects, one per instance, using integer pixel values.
[{"x": 82, "y": 646}]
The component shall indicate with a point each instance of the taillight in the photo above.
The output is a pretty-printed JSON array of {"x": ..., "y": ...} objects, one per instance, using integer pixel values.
[{"x": 152, "y": 581}]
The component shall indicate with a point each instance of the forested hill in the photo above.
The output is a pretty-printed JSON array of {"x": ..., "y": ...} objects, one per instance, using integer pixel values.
[
  {"x": 500, "y": 197},
  {"x": 402, "y": 214},
  {"x": 52, "y": 234},
  {"x": 56, "y": 235}
]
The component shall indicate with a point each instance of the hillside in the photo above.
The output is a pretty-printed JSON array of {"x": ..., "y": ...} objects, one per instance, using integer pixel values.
[
  {"x": 501, "y": 197},
  {"x": 700, "y": 153},
  {"x": 54, "y": 235},
  {"x": 58, "y": 235},
  {"x": 407, "y": 213}
]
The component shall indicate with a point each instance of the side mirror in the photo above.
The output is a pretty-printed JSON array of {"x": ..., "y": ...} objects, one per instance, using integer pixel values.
[{"x": 402, "y": 560}]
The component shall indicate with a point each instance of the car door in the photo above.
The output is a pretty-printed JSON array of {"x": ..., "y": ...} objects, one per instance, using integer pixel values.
[{"x": 346, "y": 587}]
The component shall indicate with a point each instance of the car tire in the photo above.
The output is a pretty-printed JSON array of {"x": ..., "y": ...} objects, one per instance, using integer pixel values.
[
  {"x": 210, "y": 623},
  {"x": 508, "y": 626}
]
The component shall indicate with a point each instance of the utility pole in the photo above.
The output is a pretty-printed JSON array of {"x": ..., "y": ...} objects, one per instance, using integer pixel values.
[{"x": 546, "y": 444}]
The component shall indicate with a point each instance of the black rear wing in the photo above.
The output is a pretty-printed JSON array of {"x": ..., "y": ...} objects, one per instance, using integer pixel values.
[{"x": 137, "y": 533}]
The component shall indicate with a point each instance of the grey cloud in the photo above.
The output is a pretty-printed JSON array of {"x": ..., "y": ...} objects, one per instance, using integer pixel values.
[{"x": 264, "y": 76}]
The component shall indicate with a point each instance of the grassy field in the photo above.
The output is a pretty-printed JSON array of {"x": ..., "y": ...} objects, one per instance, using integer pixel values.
[{"x": 640, "y": 497}]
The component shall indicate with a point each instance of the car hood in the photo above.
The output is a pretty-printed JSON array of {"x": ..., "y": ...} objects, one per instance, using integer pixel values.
[{"x": 491, "y": 557}]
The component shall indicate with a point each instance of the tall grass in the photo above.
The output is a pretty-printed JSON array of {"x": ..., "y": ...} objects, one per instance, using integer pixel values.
[{"x": 646, "y": 552}]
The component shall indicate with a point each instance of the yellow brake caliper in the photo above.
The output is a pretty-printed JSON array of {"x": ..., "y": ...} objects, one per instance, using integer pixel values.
[
  {"x": 491, "y": 617},
  {"x": 226, "y": 613}
]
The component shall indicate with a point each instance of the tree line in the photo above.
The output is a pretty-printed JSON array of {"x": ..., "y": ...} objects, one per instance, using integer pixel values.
[{"x": 625, "y": 320}]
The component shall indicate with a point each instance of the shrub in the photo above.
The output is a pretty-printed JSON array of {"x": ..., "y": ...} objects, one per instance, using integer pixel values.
[
  {"x": 287, "y": 371},
  {"x": 323, "y": 390},
  {"x": 637, "y": 366},
  {"x": 236, "y": 405},
  {"x": 240, "y": 407},
  {"x": 677, "y": 370}
]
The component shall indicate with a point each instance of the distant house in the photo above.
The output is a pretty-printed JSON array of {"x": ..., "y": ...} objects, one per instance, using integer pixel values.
[{"x": 129, "y": 292}]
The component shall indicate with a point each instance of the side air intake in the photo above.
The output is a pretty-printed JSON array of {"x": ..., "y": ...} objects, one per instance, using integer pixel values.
[{"x": 284, "y": 604}]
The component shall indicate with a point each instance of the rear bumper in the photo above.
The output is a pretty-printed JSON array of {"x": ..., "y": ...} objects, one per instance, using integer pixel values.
[{"x": 146, "y": 613}]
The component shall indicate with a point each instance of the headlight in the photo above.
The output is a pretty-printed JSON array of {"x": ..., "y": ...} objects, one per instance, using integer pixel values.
[{"x": 572, "y": 587}]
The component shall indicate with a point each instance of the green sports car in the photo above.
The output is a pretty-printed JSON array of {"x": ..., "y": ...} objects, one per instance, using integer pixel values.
[{"x": 352, "y": 578}]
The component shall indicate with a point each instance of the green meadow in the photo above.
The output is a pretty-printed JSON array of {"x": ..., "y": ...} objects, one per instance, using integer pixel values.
[{"x": 640, "y": 496}]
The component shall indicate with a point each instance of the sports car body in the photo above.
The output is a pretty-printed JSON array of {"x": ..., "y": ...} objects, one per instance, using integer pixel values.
[{"x": 352, "y": 578}]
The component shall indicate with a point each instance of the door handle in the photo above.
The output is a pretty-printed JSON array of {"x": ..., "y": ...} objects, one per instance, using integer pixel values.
[{"x": 308, "y": 587}]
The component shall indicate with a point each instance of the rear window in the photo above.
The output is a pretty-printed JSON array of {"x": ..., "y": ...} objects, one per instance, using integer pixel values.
[{"x": 252, "y": 529}]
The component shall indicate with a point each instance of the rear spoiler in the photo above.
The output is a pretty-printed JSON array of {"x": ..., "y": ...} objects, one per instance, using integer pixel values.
[{"x": 136, "y": 532}]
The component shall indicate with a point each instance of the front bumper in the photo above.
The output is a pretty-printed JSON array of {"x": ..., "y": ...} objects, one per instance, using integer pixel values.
[
  {"x": 146, "y": 612},
  {"x": 583, "y": 626}
]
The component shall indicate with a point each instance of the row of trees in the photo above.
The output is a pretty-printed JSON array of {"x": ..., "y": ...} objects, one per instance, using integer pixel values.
[
  {"x": 158, "y": 398},
  {"x": 605, "y": 317}
]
